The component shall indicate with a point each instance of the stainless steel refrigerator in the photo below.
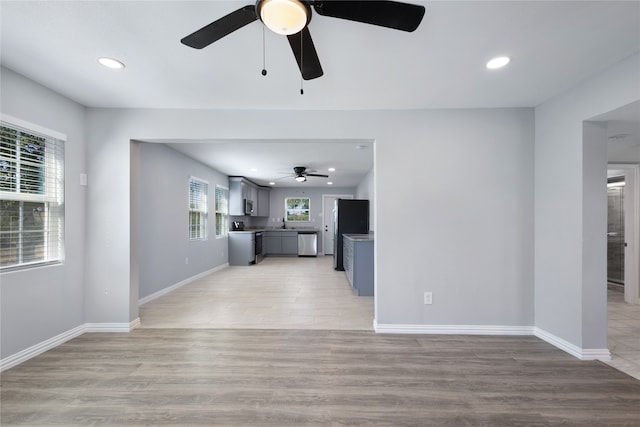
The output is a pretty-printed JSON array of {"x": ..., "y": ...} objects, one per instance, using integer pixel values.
[{"x": 349, "y": 217}]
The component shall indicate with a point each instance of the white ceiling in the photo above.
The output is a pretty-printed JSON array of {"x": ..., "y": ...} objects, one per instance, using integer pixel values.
[
  {"x": 273, "y": 161},
  {"x": 554, "y": 45}
]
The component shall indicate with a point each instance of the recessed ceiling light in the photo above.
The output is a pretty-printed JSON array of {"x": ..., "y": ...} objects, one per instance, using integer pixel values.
[
  {"x": 498, "y": 62},
  {"x": 332, "y": 169},
  {"x": 111, "y": 63},
  {"x": 329, "y": 183},
  {"x": 254, "y": 170},
  {"x": 272, "y": 183}
]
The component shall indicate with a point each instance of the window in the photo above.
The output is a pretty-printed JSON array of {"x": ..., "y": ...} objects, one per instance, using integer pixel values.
[
  {"x": 296, "y": 208},
  {"x": 198, "y": 191},
  {"x": 31, "y": 197},
  {"x": 222, "y": 211}
]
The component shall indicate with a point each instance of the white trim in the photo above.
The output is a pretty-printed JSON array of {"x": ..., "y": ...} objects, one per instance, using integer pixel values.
[
  {"x": 180, "y": 284},
  {"x": 580, "y": 353},
  {"x": 112, "y": 327},
  {"x": 572, "y": 349},
  {"x": 35, "y": 350},
  {"x": 33, "y": 127},
  {"x": 452, "y": 329}
]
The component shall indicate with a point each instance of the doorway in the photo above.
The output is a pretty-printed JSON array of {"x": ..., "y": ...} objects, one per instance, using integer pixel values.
[
  {"x": 623, "y": 233},
  {"x": 328, "y": 203},
  {"x": 615, "y": 231}
]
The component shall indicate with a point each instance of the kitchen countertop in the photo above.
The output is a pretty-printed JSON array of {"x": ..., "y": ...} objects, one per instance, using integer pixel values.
[
  {"x": 359, "y": 236},
  {"x": 294, "y": 229}
]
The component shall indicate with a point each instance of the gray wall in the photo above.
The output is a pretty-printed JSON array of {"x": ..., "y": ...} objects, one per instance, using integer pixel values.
[
  {"x": 366, "y": 190},
  {"x": 570, "y": 209},
  {"x": 472, "y": 243},
  {"x": 164, "y": 244},
  {"x": 40, "y": 303},
  {"x": 624, "y": 151},
  {"x": 460, "y": 224},
  {"x": 471, "y": 208}
]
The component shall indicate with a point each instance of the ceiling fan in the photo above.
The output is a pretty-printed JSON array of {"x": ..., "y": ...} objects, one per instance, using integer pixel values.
[
  {"x": 300, "y": 173},
  {"x": 291, "y": 18}
]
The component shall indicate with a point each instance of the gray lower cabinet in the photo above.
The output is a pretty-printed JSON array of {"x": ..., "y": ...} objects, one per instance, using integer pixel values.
[
  {"x": 273, "y": 242},
  {"x": 281, "y": 242},
  {"x": 242, "y": 248},
  {"x": 358, "y": 264},
  {"x": 290, "y": 243}
]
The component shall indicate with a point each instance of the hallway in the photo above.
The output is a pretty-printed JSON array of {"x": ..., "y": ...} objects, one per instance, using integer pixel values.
[{"x": 624, "y": 334}]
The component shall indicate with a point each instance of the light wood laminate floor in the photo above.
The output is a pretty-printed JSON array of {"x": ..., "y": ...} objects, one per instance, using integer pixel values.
[
  {"x": 278, "y": 293},
  {"x": 252, "y": 377},
  {"x": 285, "y": 343}
]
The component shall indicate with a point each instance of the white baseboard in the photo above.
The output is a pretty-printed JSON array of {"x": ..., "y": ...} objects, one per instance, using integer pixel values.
[
  {"x": 34, "y": 350},
  {"x": 453, "y": 329},
  {"x": 572, "y": 349},
  {"x": 112, "y": 327},
  {"x": 580, "y": 353},
  {"x": 37, "y": 349},
  {"x": 180, "y": 284}
]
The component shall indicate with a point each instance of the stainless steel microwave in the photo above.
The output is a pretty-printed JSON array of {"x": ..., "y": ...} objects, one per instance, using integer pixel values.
[{"x": 248, "y": 207}]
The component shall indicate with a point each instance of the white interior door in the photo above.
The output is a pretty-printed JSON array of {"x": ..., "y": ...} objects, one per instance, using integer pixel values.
[{"x": 328, "y": 201}]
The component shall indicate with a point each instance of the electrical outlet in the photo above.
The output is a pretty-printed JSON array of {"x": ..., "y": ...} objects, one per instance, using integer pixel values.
[
  {"x": 186, "y": 260},
  {"x": 428, "y": 298}
]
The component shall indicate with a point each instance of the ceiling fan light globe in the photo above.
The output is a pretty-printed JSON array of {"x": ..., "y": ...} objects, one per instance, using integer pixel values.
[
  {"x": 301, "y": 178},
  {"x": 284, "y": 17}
]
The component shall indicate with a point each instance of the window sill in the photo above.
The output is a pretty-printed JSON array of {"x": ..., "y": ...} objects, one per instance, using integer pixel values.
[{"x": 29, "y": 266}]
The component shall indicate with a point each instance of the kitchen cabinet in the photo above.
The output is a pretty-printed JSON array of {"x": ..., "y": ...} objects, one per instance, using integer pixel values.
[
  {"x": 241, "y": 188},
  {"x": 252, "y": 194},
  {"x": 263, "y": 201},
  {"x": 238, "y": 192},
  {"x": 242, "y": 248},
  {"x": 282, "y": 242},
  {"x": 358, "y": 263},
  {"x": 273, "y": 242},
  {"x": 290, "y": 243}
]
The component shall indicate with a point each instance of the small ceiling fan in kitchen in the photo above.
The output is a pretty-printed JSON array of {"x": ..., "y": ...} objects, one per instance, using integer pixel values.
[
  {"x": 300, "y": 174},
  {"x": 292, "y": 17}
]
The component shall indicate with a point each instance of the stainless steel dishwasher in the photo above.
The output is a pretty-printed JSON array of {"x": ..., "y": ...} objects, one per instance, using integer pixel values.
[{"x": 307, "y": 243}]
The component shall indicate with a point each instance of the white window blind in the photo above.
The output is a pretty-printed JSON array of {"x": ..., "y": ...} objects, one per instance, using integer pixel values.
[
  {"x": 222, "y": 211},
  {"x": 31, "y": 197},
  {"x": 198, "y": 191}
]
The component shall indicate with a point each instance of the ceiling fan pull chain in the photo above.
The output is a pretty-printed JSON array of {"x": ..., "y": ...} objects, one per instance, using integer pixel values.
[
  {"x": 264, "y": 66},
  {"x": 301, "y": 64}
]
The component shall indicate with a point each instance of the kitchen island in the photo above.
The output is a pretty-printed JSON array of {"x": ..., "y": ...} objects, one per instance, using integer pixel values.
[{"x": 358, "y": 262}]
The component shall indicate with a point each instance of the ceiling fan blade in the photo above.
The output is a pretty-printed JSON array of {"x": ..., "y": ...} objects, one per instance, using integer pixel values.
[
  {"x": 317, "y": 174},
  {"x": 220, "y": 28},
  {"x": 306, "y": 55},
  {"x": 390, "y": 14}
]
